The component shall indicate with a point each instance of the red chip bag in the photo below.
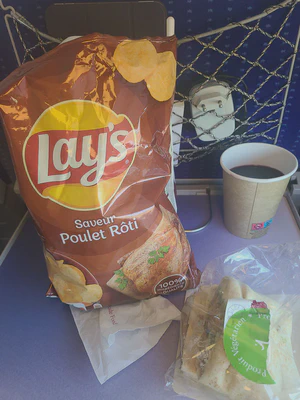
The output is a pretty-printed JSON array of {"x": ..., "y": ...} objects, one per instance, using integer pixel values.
[{"x": 88, "y": 125}]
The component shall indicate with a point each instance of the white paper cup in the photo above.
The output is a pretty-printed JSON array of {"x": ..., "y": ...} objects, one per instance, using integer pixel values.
[{"x": 249, "y": 203}]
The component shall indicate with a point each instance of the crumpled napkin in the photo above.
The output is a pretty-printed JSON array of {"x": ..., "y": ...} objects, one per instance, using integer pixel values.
[{"x": 115, "y": 337}]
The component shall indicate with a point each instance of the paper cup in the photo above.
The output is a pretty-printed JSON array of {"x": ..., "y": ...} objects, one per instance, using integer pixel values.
[{"x": 249, "y": 203}]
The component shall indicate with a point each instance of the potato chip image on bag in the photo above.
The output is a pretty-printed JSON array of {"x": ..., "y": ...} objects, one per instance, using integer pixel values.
[
  {"x": 70, "y": 283},
  {"x": 93, "y": 165},
  {"x": 135, "y": 59},
  {"x": 161, "y": 83}
]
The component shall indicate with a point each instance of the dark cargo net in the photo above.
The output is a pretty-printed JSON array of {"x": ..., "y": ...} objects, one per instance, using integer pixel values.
[{"x": 212, "y": 109}]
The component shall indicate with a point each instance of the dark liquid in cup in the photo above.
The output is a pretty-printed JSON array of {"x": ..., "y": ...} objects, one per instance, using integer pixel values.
[{"x": 257, "y": 171}]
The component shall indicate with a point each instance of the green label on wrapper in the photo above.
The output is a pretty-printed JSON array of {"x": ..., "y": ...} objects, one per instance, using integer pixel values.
[{"x": 246, "y": 339}]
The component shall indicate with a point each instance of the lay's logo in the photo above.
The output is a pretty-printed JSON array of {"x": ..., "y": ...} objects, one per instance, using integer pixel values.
[{"x": 78, "y": 153}]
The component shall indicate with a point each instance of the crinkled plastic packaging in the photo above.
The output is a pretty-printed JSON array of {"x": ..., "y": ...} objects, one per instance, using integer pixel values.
[
  {"x": 88, "y": 126},
  {"x": 240, "y": 328}
]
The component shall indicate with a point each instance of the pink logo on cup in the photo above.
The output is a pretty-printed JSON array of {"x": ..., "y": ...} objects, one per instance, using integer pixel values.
[{"x": 257, "y": 226}]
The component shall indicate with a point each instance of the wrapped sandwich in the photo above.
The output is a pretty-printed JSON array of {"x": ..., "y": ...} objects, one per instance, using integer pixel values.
[{"x": 236, "y": 344}]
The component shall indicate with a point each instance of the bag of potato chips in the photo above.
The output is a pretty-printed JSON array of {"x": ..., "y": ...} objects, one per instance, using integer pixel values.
[{"x": 88, "y": 125}]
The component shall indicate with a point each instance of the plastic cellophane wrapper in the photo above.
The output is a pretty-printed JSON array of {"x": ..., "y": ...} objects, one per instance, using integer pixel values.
[
  {"x": 239, "y": 334},
  {"x": 88, "y": 127}
]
